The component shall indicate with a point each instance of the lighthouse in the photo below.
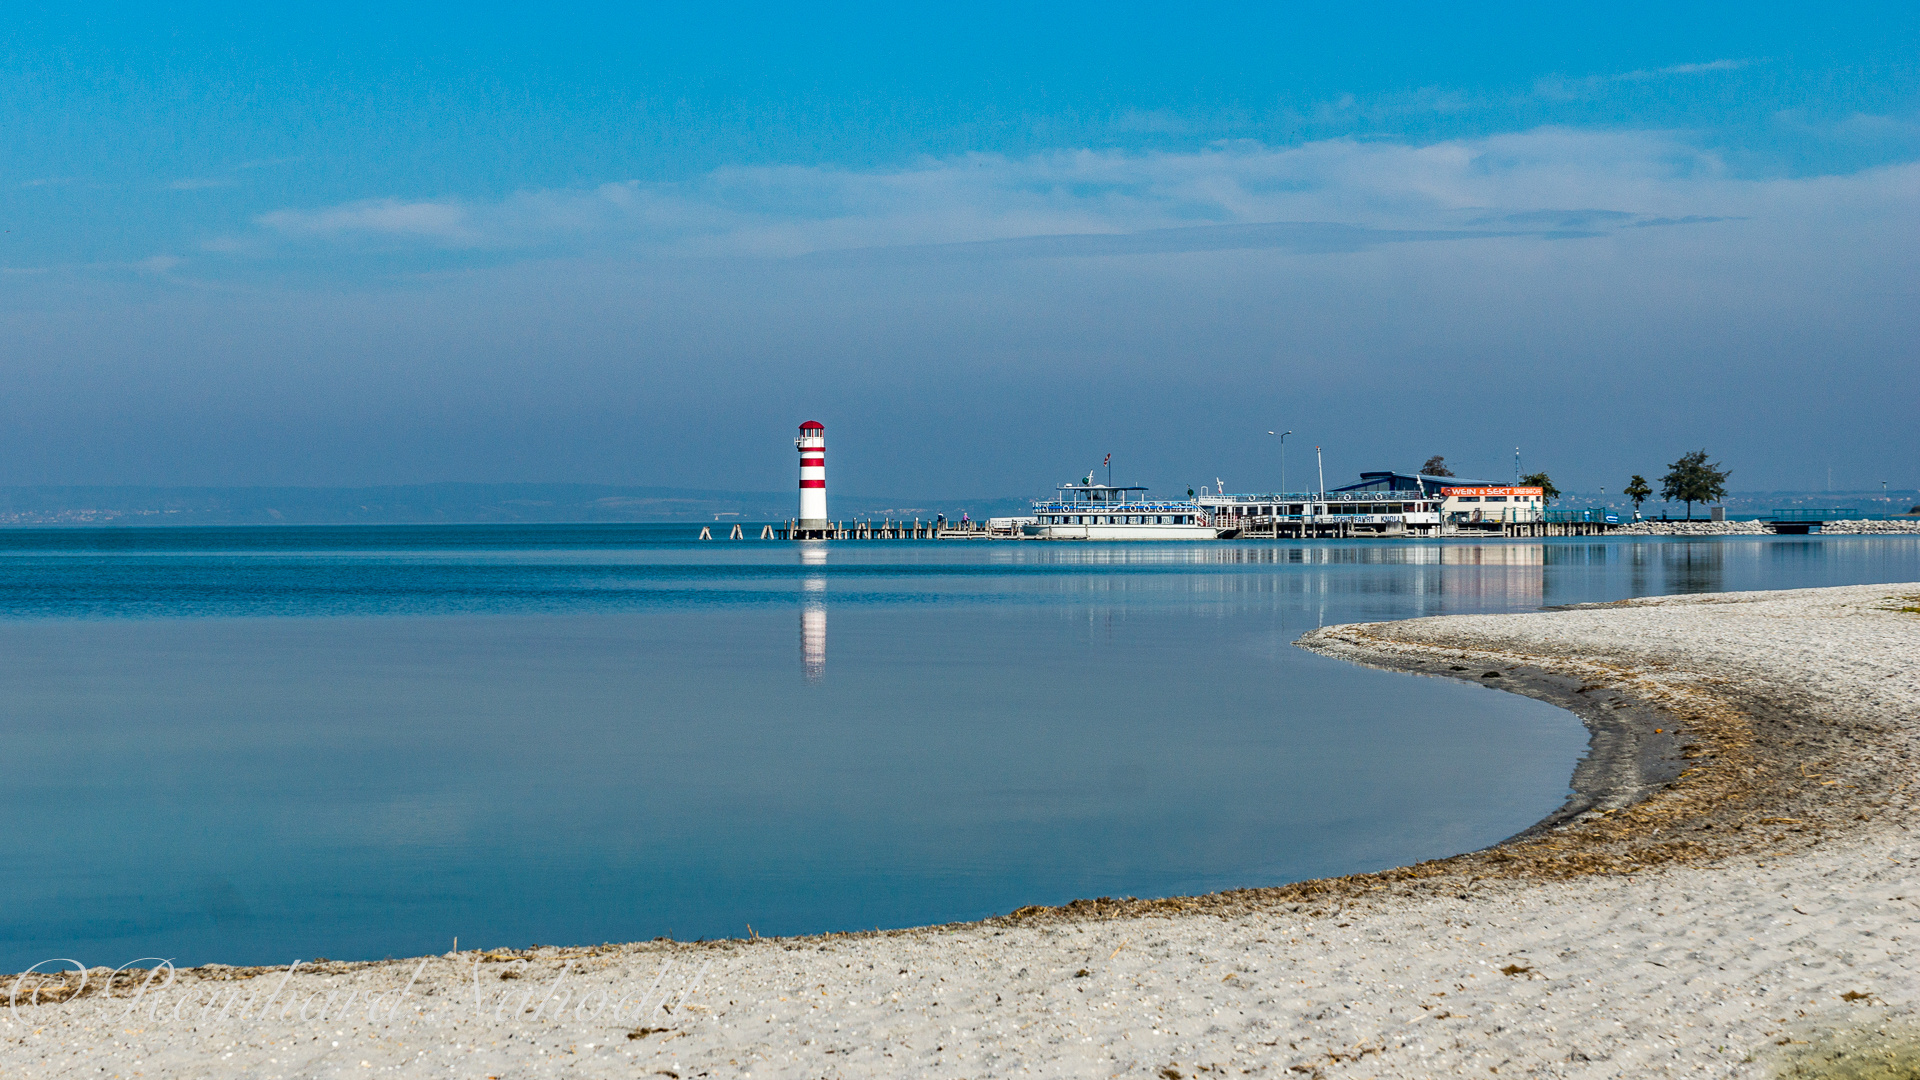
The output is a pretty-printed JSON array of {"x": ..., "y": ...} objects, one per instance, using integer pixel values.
[{"x": 812, "y": 444}]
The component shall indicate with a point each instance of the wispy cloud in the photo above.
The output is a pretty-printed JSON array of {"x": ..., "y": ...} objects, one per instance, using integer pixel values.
[
  {"x": 1707, "y": 68},
  {"x": 1334, "y": 195},
  {"x": 1559, "y": 87},
  {"x": 1711, "y": 65},
  {"x": 446, "y": 222}
]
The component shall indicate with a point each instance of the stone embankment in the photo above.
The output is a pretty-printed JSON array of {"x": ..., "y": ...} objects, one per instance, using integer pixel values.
[
  {"x": 1855, "y": 527},
  {"x": 1760, "y": 528},
  {"x": 1693, "y": 528}
]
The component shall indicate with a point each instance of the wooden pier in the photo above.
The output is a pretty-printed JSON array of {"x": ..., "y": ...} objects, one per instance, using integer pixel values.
[
  {"x": 884, "y": 529},
  {"x": 1326, "y": 528}
]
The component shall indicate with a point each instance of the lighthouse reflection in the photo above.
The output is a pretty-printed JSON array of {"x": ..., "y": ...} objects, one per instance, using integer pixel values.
[{"x": 813, "y": 613}]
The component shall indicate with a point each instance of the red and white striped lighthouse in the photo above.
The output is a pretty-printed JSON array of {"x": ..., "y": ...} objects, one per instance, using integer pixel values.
[{"x": 812, "y": 444}]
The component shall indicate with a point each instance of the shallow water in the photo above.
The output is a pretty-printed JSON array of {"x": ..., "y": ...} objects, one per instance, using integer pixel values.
[{"x": 251, "y": 745}]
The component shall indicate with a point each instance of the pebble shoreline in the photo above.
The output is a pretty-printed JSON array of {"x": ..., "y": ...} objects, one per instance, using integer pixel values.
[{"x": 1733, "y": 892}]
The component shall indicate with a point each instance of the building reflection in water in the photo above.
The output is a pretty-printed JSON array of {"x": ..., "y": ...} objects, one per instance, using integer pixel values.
[
  {"x": 1492, "y": 574},
  {"x": 813, "y": 613}
]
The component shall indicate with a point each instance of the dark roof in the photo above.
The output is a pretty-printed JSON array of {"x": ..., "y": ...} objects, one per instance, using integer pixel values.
[
  {"x": 813, "y": 425},
  {"x": 1397, "y": 481}
]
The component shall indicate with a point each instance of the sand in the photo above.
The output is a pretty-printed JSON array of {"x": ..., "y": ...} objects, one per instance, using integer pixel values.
[{"x": 1732, "y": 894}]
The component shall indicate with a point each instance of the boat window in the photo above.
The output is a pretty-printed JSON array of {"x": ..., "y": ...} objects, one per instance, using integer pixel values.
[
  {"x": 1496, "y": 498},
  {"x": 1469, "y": 498}
]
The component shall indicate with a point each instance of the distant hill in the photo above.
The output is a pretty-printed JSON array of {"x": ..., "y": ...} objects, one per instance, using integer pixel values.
[{"x": 444, "y": 504}]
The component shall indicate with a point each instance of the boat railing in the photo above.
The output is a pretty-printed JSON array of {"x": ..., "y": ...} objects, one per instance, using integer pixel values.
[
  {"x": 1116, "y": 508},
  {"x": 1329, "y": 497}
]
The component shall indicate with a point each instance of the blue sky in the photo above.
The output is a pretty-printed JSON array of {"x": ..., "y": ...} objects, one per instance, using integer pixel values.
[{"x": 986, "y": 246}]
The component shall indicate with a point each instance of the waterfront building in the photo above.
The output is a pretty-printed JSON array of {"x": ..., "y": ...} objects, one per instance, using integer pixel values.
[{"x": 1381, "y": 504}]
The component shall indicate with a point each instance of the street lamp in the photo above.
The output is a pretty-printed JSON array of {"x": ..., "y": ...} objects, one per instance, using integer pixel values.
[{"x": 1283, "y": 458}]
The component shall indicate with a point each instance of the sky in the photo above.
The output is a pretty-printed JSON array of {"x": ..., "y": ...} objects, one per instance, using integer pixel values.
[{"x": 985, "y": 245}]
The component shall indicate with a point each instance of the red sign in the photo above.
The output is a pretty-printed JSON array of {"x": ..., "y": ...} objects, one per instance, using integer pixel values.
[{"x": 1451, "y": 492}]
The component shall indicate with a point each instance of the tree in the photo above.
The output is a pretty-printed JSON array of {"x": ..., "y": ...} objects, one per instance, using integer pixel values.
[
  {"x": 1436, "y": 466},
  {"x": 1691, "y": 480},
  {"x": 1540, "y": 480},
  {"x": 1637, "y": 490}
]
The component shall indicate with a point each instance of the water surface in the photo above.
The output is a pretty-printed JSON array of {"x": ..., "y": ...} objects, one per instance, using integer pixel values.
[{"x": 250, "y": 745}]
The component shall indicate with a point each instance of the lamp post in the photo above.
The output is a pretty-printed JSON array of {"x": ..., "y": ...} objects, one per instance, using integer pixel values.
[{"x": 1283, "y": 458}]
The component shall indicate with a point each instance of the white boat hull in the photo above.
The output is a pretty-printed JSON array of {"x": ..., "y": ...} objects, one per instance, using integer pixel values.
[{"x": 1123, "y": 532}]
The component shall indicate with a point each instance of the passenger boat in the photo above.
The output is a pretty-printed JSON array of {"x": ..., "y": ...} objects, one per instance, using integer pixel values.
[{"x": 1093, "y": 511}]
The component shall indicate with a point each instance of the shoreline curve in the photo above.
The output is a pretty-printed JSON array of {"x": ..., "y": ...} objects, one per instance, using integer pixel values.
[{"x": 1731, "y": 889}]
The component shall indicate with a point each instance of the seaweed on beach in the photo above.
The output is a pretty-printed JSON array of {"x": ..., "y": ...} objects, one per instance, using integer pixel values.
[
  {"x": 1761, "y": 775},
  {"x": 1875, "y": 1051}
]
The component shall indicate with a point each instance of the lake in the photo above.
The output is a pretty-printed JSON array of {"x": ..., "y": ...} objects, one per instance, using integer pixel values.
[{"x": 253, "y": 745}]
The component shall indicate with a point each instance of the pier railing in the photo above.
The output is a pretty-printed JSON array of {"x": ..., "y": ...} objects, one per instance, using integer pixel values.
[{"x": 1814, "y": 514}]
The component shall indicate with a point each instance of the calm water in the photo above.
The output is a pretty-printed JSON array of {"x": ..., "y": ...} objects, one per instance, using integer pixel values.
[{"x": 251, "y": 745}]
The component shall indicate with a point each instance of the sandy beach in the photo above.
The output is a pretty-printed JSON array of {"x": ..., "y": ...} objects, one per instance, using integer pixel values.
[{"x": 1732, "y": 890}]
